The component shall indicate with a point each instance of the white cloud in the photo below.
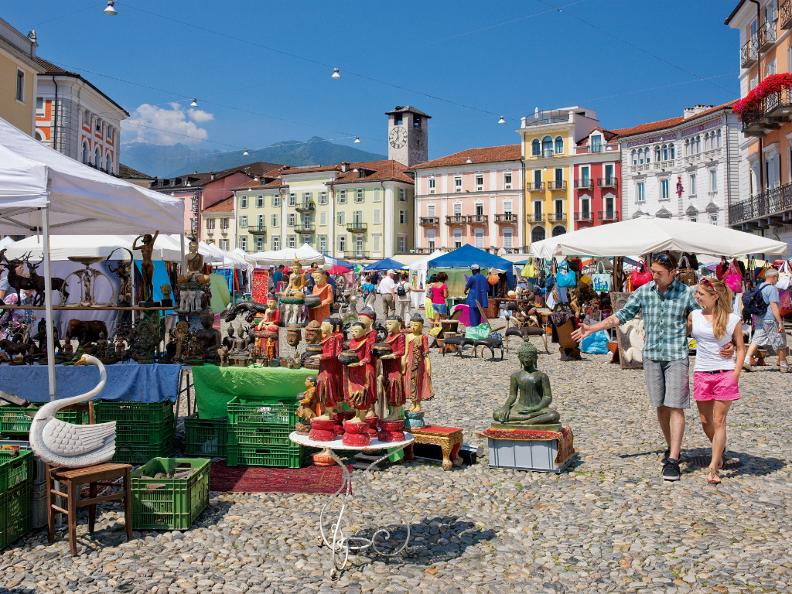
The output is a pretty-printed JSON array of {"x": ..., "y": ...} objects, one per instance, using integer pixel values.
[{"x": 165, "y": 125}]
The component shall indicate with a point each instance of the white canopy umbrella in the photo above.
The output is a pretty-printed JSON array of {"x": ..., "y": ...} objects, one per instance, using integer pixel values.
[
  {"x": 101, "y": 246},
  {"x": 651, "y": 234},
  {"x": 41, "y": 189},
  {"x": 305, "y": 254}
]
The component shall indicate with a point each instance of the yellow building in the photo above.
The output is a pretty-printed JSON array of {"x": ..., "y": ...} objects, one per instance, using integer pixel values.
[
  {"x": 18, "y": 70},
  {"x": 549, "y": 140},
  {"x": 347, "y": 210}
]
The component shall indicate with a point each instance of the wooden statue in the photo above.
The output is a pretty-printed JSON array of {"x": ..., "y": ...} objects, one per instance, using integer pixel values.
[
  {"x": 146, "y": 248},
  {"x": 416, "y": 366}
]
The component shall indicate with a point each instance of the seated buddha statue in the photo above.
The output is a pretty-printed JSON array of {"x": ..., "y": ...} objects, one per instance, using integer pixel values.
[
  {"x": 296, "y": 284},
  {"x": 195, "y": 264},
  {"x": 528, "y": 405}
]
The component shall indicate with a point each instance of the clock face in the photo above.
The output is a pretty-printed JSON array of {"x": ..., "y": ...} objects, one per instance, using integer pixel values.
[{"x": 397, "y": 137}]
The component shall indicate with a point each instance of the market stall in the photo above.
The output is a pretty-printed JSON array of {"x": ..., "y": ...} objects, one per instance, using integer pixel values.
[
  {"x": 305, "y": 254},
  {"x": 418, "y": 270},
  {"x": 457, "y": 265},
  {"x": 385, "y": 264}
]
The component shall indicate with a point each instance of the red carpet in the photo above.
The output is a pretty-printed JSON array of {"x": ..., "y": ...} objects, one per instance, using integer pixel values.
[{"x": 256, "y": 479}]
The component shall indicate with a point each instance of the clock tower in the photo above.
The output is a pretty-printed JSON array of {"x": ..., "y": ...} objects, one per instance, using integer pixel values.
[{"x": 408, "y": 135}]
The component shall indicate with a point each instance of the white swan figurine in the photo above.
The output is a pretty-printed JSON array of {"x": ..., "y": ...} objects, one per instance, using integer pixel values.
[{"x": 71, "y": 446}]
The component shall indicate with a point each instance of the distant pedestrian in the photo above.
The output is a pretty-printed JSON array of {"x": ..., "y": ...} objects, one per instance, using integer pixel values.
[
  {"x": 368, "y": 291},
  {"x": 387, "y": 290},
  {"x": 438, "y": 293},
  {"x": 770, "y": 326},
  {"x": 402, "y": 293},
  {"x": 476, "y": 291}
]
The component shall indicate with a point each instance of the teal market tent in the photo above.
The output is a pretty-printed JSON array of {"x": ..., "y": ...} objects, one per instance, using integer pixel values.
[
  {"x": 467, "y": 255},
  {"x": 385, "y": 264}
]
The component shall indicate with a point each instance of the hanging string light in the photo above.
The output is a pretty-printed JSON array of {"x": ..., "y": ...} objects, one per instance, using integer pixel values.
[
  {"x": 357, "y": 139},
  {"x": 501, "y": 120},
  {"x": 110, "y": 8},
  {"x": 336, "y": 73},
  {"x": 194, "y": 102},
  {"x": 245, "y": 152}
]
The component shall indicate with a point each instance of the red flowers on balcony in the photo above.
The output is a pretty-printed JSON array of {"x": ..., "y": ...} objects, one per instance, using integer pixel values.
[{"x": 773, "y": 83}]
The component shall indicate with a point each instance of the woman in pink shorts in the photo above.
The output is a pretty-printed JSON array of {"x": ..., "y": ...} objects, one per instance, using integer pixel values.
[{"x": 715, "y": 378}]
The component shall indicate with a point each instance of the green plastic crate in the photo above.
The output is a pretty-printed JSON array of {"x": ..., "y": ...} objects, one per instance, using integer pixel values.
[
  {"x": 15, "y": 420},
  {"x": 133, "y": 413},
  {"x": 261, "y": 435},
  {"x": 143, "y": 433},
  {"x": 140, "y": 454},
  {"x": 205, "y": 437},
  {"x": 15, "y": 469},
  {"x": 244, "y": 410},
  {"x": 169, "y": 504},
  {"x": 15, "y": 512},
  {"x": 290, "y": 456}
]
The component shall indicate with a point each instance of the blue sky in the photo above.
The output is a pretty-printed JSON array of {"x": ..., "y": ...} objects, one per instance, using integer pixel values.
[{"x": 629, "y": 60}]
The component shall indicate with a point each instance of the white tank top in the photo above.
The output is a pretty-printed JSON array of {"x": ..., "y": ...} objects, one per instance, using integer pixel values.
[{"x": 708, "y": 357}]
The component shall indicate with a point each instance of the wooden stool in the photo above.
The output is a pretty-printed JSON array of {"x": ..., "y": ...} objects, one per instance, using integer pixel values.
[
  {"x": 448, "y": 438},
  {"x": 93, "y": 476}
]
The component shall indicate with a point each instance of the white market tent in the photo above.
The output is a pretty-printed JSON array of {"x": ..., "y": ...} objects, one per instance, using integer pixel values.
[
  {"x": 418, "y": 270},
  {"x": 42, "y": 190},
  {"x": 100, "y": 246},
  {"x": 651, "y": 234},
  {"x": 305, "y": 254}
]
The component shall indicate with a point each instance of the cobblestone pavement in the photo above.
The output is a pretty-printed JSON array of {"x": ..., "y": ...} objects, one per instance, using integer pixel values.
[{"x": 608, "y": 524}]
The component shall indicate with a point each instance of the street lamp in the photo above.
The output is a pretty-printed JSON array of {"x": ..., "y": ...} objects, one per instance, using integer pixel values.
[
  {"x": 357, "y": 139},
  {"x": 110, "y": 8},
  {"x": 501, "y": 120},
  {"x": 194, "y": 102},
  {"x": 336, "y": 73},
  {"x": 245, "y": 153}
]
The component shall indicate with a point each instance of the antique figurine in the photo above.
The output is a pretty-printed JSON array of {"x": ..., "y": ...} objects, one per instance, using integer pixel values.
[
  {"x": 308, "y": 407},
  {"x": 528, "y": 405},
  {"x": 329, "y": 382},
  {"x": 124, "y": 272},
  {"x": 146, "y": 339},
  {"x": 392, "y": 383},
  {"x": 270, "y": 345},
  {"x": 209, "y": 338},
  {"x": 324, "y": 292},
  {"x": 167, "y": 300},
  {"x": 359, "y": 389},
  {"x": 146, "y": 248},
  {"x": 416, "y": 366}
]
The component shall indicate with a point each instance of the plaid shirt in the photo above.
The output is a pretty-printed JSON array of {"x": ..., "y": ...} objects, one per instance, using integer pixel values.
[{"x": 665, "y": 319}]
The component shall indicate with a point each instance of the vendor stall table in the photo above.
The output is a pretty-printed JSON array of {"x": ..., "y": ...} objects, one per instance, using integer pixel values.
[
  {"x": 215, "y": 386},
  {"x": 334, "y": 537},
  {"x": 127, "y": 382}
]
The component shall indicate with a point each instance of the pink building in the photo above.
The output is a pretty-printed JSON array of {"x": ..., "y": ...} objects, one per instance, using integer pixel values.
[{"x": 473, "y": 196}]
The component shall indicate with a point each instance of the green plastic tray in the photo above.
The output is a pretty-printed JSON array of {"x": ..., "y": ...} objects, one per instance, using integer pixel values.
[
  {"x": 15, "y": 512},
  {"x": 132, "y": 413},
  {"x": 290, "y": 456},
  {"x": 169, "y": 504},
  {"x": 257, "y": 411},
  {"x": 16, "y": 420},
  {"x": 15, "y": 469},
  {"x": 259, "y": 435},
  {"x": 140, "y": 454}
]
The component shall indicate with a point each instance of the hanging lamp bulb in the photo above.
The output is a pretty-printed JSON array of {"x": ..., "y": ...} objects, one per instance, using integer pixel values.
[
  {"x": 357, "y": 139},
  {"x": 110, "y": 8},
  {"x": 194, "y": 102},
  {"x": 501, "y": 120},
  {"x": 245, "y": 153},
  {"x": 336, "y": 73}
]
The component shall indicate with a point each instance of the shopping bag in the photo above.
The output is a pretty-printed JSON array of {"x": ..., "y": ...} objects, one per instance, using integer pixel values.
[
  {"x": 480, "y": 332},
  {"x": 785, "y": 302},
  {"x": 784, "y": 277},
  {"x": 733, "y": 279},
  {"x": 595, "y": 344},
  {"x": 565, "y": 277},
  {"x": 529, "y": 270},
  {"x": 428, "y": 309},
  {"x": 601, "y": 280},
  {"x": 640, "y": 276}
]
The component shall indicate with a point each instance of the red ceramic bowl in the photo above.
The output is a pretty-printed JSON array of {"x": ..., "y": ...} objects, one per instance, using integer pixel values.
[
  {"x": 324, "y": 424},
  {"x": 356, "y": 439},
  {"x": 392, "y": 425},
  {"x": 356, "y": 428},
  {"x": 321, "y": 435}
]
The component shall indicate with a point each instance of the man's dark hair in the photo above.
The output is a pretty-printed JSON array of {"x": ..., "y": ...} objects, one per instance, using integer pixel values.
[{"x": 666, "y": 259}]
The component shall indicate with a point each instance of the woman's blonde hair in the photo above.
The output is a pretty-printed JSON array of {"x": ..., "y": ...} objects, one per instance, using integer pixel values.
[{"x": 723, "y": 304}]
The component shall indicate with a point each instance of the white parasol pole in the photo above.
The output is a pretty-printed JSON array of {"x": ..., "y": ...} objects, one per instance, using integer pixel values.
[{"x": 48, "y": 302}]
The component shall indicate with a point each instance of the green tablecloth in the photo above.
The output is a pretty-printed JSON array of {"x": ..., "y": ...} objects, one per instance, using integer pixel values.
[{"x": 215, "y": 386}]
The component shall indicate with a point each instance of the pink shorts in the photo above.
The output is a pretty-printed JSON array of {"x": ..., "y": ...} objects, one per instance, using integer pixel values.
[{"x": 715, "y": 386}]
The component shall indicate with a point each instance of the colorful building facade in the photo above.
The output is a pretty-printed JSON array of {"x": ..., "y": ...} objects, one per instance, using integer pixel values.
[
  {"x": 18, "y": 72},
  {"x": 765, "y": 195},
  {"x": 597, "y": 179},
  {"x": 218, "y": 225},
  {"x": 473, "y": 196}
]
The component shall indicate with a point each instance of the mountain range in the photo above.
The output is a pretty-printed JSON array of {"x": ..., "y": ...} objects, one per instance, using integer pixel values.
[{"x": 174, "y": 160}]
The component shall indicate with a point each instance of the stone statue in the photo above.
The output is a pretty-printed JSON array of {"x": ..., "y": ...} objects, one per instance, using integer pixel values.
[
  {"x": 528, "y": 405},
  {"x": 146, "y": 248},
  {"x": 209, "y": 337}
]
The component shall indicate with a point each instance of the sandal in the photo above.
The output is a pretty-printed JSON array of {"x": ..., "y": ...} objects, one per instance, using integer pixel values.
[{"x": 713, "y": 478}]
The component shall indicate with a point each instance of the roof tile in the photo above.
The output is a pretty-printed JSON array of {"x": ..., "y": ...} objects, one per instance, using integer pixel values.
[{"x": 487, "y": 154}]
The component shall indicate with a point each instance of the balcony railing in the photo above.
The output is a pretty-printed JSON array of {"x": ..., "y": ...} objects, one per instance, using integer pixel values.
[
  {"x": 772, "y": 111},
  {"x": 533, "y": 218},
  {"x": 429, "y": 221},
  {"x": 606, "y": 182},
  {"x": 583, "y": 184},
  {"x": 357, "y": 227},
  {"x": 306, "y": 206},
  {"x": 606, "y": 215},
  {"x": 555, "y": 217},
  {"x": 259, "y": 229},
  {"x": 534, "y": 187},
  {"x": 456, "y": 219},
  {"x": 748, "y": 53},
  {"x": 543, "y": 118},
  {"x": 305, "y": 228},
  {"x": 597, "y": 148},
  {"x": 478, "y": 219},
  {"x": 556, "y": 185},
  {"x": 584, "y": 217},
  {"x": 766, "y": 36},
  {"x": 785, "y": 14},
  {"x": 506, "y": 218},
  {"x": 776, "y": 202}
]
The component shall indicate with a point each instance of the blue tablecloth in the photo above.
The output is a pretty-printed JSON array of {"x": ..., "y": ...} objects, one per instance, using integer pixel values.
[{"x": 129, "y": 382}]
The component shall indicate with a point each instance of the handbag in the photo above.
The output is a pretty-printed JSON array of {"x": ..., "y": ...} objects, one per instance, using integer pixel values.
[
  {"x": 565, "y": 277},
  {"x": 639, "y": 276},
  {"x": 529, "y": 270},
  {"x": 686, "y": 274},
  {"x": 480, "y": 332},
  {"x": 784, "y": 302},
  {"x": 784, "y": 277},
  {"x": 733, "y": 279},
  {"x": 601, "y": 280}
]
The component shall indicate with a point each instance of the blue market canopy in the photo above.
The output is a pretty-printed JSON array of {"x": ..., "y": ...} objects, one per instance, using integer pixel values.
[
  {"x": 386, "y": 264},
  {"x": 468, "y": 255}
]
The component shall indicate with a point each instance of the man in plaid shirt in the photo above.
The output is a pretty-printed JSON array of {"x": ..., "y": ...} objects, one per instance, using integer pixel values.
[{"x": 664, "y": 304}]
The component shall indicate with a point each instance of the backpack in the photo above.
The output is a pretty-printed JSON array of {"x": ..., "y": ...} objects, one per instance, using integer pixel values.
[
  {"x": 753, "y": 301},
  {"x": 400, "y": 290}
]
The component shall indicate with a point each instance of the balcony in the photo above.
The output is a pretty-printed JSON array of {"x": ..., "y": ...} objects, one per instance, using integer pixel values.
[
  {"x": 606, "y": 182},
  {"x": 357, "y": 227},
  {"x": 760, "y": 210},
  {"x": 606, "y": 216},
  {"x": 259, "y": 229},
  {"x": 305, "y": 206},
  {"x": 748, "y": 54},
  {"x": 534, "y": 187},
  {"x": 556, "y": 217},
  {"x": 542, "y": 118},
  {"x": 477, "y": 219},
  {"x": 597, "y": 148},
  {"x": 224, "y": 231},
  {"x": 585, "y": 216},
  {"x": 785, "y": 14},
  {"x": 305, "y": 229},
  {"x": 772, "y": 111},
  {"x": 534, "y": 218},
  {"x": 767, "y": 36},
  {"x": 356, "y": 255},
  {"x": 456, "y": 219},
  {"x": 429, "y": 221},
  {"x": 583, "y": 184},
  {"x": 556, "y": 185},
  {"x": 506, "y": 218}
]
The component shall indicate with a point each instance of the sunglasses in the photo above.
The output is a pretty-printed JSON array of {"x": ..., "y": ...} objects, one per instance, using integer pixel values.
[
  {"x": 663, "y": 258},
  {"x": 705, "y": 282}
]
